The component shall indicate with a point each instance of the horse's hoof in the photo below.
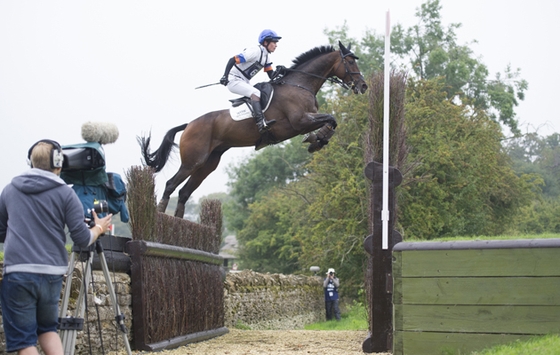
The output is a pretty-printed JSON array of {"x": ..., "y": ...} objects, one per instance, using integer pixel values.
[
  {"x": 310, "y": 138},
  {"x": 180, "y": 210},
  {"x": 315, "y": 147},
  {"x": 162, "y": 205}
]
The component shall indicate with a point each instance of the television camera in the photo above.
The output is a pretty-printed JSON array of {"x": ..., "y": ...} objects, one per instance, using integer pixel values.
[{"x": 84, "y": 169}]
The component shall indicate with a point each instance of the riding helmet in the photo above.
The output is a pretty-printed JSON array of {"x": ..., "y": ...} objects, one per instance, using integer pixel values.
[{"x": 268, "y": 35}]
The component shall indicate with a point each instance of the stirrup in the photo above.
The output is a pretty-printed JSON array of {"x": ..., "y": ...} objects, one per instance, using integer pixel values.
[{"x": 269, "y": 123}]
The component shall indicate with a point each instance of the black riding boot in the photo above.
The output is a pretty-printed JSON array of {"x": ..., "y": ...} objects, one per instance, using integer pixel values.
[{"x": 262, "y": 124}]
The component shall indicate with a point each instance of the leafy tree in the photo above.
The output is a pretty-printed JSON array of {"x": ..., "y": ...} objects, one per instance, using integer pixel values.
[
  {"x": 465, "y": 184},
  {"x": 274, "y": 166},
  {"x": 539, "y": 158},
  {"x": 266, "y": 242},
  {"x": 432, "y": 51}
]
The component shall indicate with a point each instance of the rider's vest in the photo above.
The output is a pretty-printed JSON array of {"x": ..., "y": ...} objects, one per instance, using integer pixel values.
[{"x": 249, "y": 65}]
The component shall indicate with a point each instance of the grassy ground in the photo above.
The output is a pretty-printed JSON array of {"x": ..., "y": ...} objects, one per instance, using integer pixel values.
[
  {"x": 547, "y": 345},
  {"x": 354, "y": 319},
  {"x": 499, "y": 237}
]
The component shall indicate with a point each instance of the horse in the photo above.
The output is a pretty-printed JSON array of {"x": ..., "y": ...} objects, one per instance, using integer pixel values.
[{"x": 293, "y": 105}]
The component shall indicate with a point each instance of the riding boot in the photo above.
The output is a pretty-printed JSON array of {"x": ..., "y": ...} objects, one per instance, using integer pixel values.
[{"x": 262, "y": 124}]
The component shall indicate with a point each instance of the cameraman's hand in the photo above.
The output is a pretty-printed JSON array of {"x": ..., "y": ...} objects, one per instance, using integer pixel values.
[{"x": 102, "y": 224}]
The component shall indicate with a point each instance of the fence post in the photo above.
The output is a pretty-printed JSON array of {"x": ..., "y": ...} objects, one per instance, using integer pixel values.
[{"x": 381, "y": 292}]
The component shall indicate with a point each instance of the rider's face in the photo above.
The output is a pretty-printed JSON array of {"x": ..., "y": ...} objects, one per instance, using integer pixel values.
[{"x": 271, "y": 46}]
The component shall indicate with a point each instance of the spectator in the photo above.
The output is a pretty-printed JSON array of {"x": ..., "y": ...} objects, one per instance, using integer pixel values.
[
  {"x": 35, "y": 208},
  {"x": 330, "y": 285}
]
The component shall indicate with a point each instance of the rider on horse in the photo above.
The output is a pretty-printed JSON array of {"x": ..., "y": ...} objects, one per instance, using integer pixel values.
[{"x": 242, "y": 67}]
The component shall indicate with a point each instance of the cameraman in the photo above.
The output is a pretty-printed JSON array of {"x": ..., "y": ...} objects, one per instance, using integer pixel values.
[
  {"x": 34, "y": 210},
  {"x": 331, "y": 284}
]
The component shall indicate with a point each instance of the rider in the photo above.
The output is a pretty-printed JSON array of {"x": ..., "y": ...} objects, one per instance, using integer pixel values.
[{"x": 241, "y": 68}]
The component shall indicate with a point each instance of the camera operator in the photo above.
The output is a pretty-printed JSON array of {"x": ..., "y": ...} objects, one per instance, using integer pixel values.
[
  {"x": 330, "y": 285},
  {"x": 34, "y": 210}
]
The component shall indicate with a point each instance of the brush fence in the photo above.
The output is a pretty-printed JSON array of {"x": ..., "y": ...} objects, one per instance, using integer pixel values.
[{"x": 458, "y": 297}]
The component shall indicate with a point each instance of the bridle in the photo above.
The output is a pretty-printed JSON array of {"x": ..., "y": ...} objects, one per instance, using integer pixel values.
[{"x": 347, "y": 71}]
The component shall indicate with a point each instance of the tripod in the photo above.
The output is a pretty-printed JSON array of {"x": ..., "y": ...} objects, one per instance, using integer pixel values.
[{"x": 69, "y": 326}]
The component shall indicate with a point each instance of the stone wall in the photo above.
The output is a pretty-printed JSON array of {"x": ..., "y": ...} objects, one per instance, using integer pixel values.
[
  {"x": 252, "y": 301},
  {"x": 272, "y": 301}
]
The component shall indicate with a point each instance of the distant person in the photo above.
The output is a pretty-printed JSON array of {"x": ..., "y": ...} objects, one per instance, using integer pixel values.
[
  {"x": 242, "y": 67},
  {"x": 35, "y": 208},
  {"x": 330, "y": 285}
]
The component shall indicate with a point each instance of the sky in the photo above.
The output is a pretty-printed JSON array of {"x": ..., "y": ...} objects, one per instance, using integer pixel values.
[{"x": 136, "y": 64}]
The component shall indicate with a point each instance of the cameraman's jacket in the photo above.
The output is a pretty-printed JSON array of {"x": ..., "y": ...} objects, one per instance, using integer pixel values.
[
  {"x": 34, "y": 210},
  {"x": 331, "y": 288}
]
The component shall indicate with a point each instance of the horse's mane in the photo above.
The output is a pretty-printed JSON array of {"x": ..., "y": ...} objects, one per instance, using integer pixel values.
[{"x": 310, "y": 54}]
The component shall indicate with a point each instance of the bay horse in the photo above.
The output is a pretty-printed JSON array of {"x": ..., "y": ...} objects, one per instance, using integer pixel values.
[{"x": 294, "y": 107}]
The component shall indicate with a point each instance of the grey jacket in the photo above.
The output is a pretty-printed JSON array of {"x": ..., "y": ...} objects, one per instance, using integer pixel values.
[{"x": 34, "y": 210}]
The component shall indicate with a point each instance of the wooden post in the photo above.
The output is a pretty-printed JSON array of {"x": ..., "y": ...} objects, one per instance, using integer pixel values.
[{"x": 381, "y": 336}]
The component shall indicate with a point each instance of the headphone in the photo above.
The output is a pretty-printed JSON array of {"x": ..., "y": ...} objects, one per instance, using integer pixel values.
[{"x": 57, "y": 158}]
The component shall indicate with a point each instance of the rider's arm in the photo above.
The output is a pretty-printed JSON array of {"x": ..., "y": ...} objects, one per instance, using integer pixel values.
[{"x": 229, "y": 65}]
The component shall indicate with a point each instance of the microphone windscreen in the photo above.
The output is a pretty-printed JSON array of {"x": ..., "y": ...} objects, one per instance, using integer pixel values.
[{"x": 100, "y": 132}]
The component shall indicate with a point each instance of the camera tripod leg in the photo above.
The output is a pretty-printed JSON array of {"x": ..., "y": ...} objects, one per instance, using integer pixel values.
[
  {"x": 68, "y": 336},
  {"x": 118, "y": 315}
]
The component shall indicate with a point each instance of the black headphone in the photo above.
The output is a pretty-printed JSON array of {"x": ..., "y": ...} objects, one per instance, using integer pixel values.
[{"x": 57, "y": 158}]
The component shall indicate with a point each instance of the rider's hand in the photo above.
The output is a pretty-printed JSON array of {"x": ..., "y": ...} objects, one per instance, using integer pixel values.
[
  {"x": 224, "y": 80},
  {"x": 281, "y": 70}
]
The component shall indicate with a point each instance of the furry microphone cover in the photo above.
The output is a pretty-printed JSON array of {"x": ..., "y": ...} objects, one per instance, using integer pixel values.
[{"x": 100, "y": 132}]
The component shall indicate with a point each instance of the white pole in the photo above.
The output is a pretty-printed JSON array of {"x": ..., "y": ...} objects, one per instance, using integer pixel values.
[{"x": 385, "y": 211}]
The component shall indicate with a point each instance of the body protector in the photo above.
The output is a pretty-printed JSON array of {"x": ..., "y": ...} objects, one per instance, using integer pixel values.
[{"x": 249, "y": 62}]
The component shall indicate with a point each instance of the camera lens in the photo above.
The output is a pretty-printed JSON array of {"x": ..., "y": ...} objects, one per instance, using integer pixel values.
[{"x": 101, "y": 206}]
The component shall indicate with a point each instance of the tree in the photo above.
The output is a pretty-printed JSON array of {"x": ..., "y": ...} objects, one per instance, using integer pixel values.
[
  {"x": 432, "y": 51},
  {"x": 465, "y": 184},
  {"x": 272, "y": 167}
]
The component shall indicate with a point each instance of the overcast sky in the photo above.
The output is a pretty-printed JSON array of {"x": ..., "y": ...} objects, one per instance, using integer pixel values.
[{"x": 136, "y": 63}]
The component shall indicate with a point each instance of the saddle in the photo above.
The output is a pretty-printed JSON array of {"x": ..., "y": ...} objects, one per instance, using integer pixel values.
[
  {"x": 241, "y": 109},
  {"x": 266, "y": 96}
]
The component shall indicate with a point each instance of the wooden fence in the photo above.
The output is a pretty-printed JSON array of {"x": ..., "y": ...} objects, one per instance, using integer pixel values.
[{"x": 458, "y": 297}]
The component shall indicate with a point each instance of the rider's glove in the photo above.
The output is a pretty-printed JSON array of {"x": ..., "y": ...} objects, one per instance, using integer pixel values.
[
  {"x": 281, "y": 70},
  {"x": 224, "y": 80}
]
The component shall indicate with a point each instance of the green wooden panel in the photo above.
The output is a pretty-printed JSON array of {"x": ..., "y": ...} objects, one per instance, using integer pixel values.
[
  {"x": 480, "y": 262},
  {"x": 478, "y": 319},
  {"x": 478, "y": 291},
  {"x": 423, "y": 343}
]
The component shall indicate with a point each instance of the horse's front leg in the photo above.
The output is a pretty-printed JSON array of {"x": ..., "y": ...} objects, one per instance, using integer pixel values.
[{"x": 320, "y": 137}]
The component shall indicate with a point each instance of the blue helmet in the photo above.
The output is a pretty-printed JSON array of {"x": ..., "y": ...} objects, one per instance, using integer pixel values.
[{"x": 268, "y": 35}]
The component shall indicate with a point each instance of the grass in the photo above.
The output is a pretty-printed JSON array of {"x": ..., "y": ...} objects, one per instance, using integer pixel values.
[
  {"x": 499, "y": 237},
  {"x": 354, "y": 319},
  {"x": 546, "y": 345}
]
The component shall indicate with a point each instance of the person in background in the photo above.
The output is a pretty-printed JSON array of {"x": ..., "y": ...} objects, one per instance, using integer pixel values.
[
  {"x": 241, "y": 68},
  {"x": 35, "y": 208},
  {"x": 330, "y": 285}
]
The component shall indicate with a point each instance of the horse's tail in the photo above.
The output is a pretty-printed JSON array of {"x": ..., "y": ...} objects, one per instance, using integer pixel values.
[{"x": 158, "y": 158}]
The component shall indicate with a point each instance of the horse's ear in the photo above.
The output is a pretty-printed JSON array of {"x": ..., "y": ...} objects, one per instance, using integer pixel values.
[
  {"x": 346, "y": 51},
  {"x": 342, "y": 48}
]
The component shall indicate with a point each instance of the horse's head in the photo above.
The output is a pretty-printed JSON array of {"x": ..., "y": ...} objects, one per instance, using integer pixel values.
[{"x": 348, "y": 70}]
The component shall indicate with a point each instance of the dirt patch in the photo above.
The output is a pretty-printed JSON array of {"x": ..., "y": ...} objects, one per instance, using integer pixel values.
[{"x": 308, "y": 342}]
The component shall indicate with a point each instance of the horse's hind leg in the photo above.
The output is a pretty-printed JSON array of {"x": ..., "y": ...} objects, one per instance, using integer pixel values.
[
  {"x": 195, "y": 180},
  {"x": 171, "y": 185}
]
